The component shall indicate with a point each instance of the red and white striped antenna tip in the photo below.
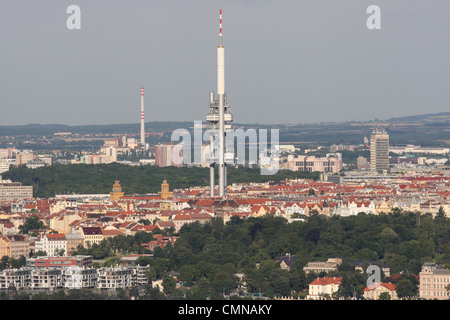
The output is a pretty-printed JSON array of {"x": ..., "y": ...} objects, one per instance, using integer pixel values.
[{"x": 221, "y": 22}]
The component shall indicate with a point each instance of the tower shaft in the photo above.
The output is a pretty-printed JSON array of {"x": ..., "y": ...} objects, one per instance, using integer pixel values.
[{"x": 142, "y": 120}]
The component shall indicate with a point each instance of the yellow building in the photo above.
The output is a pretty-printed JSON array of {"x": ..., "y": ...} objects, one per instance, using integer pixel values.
[
  {"x": 14, "y": 246},
  {"x": 116, "y": 192},
  {"x": 62, "y": 222},
  {"x": 5, "y": 247},
  {"x": 374, "y": 291},
  {"x": 165, "y": 193},
  {"x": 91, "y": 235},
  {"x": 383, "y": 207}
]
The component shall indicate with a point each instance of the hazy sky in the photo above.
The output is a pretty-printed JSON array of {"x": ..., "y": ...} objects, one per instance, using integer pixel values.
[{"x": 291, "y": 61}]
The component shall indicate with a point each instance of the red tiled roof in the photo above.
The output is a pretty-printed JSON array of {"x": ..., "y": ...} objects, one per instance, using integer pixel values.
[
  {"x": 389, "y": 286},
  {"x": 326, "y": 281}
]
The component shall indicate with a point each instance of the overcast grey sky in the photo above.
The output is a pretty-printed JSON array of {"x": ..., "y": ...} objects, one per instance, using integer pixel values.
[{"x": 296, "y": 61}]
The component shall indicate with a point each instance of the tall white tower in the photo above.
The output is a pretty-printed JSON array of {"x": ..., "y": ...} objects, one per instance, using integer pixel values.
[
  {"x": 219, "y": 120},
  {"x": 142, "y": 120},
  {"x": 221, "y": 97}
]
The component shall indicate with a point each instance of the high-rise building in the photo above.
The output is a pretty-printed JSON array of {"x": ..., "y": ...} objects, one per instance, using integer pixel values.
[
  {"x": 379, "y": 151},
  {"x": 167, "y": 155}
]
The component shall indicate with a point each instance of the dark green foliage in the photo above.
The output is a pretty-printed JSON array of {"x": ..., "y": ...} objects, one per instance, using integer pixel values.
[
  {"x": 85, "y": 179},
  {"x": 208, "y": 257},
  {"x": 32, "y": 223}
]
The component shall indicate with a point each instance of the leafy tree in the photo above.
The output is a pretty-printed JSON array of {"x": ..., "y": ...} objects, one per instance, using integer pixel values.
[
  {"x": 31, "y": 223},
  {"x": 406, "y": 288},
  {"x": 169, "y": 284}
]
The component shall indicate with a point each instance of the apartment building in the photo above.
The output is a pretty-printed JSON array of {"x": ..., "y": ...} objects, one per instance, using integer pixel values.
[
  {"x": 14, "y": 191},
  {"x": 376, "y": 290},
  {"x": 321, "y": 266},
  {"x": 379, "y": 151},
  {"x": 91, "y": 235},
  {"x": 46, "y": 279},
  {"x": 332, "y": 163},
  {"x": 14, "y": 246},
  {"x": 20, "y": 278},
  {"x": 320, "y": 288},
  {"x": 74, "y": 240},
  {"x": 114, "y": 277},
  {"x": 434, "y": 282},
  {"x": 73, "y": 277},
  {"x": 167, "y": 155},
  {"x": 80, "y": 278},
  {"x": 52, "y": 244}
]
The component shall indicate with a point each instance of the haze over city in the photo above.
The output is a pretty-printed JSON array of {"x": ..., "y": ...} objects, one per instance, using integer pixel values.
[{"x": 286, "y": 61}]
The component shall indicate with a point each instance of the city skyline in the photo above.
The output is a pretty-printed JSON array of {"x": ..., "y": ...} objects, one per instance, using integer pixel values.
[{"x": 311, "y": 62}]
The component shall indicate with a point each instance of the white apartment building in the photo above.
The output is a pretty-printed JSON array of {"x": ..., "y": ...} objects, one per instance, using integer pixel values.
[
  {"x": 434, "y": 282},
  {"x": 52, "y": 244},
  {"x": 46, "y": 279},
  {"x": 80, "y": 278},
  {"x": 72, "y": 277},
  {"x": 322, "y": 287},
  {"x": 20, "y": 278},
  {"x": 4, "y": 165},
  {"x": 114, "y": 277}
]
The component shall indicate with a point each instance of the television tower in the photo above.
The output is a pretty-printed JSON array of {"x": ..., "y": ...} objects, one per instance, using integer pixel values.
[
  {"x": 142, "y": 121},
  {"x": 219, "y": 118}
]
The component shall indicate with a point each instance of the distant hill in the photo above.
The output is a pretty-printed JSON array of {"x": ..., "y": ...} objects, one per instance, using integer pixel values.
[
  {"x": 50, "y": 129},
  {"x": 169, "y": 126},
  {"x": 423, "y": 118},
  {"x": 427, "y": 129}
]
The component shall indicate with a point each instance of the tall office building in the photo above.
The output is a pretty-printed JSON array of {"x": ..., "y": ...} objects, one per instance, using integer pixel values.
[
  {"x": 379, "y": 151},
  {"x": 167, "y": 155}
]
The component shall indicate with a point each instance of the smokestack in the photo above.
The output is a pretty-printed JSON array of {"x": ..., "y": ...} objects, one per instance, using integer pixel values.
[{"x": 142, "y": 120}]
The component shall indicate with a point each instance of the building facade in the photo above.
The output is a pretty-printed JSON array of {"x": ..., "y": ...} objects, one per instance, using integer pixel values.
[
  {"x": 167, "y": 155},
  {"x": 91, "y": 235},
  {"x": 80, "y": 278},
  {"x": 73, "y": 277},
  {"x": 52, "y": 244},
  {"x": 375, "y": 291},
  {"x": 434, "y": 282},
  {"x": 320, "y": 266},
  {"x": 321, "y": 288},
  {"x": 379, "y": 151},
  {"x": 332, "y": 163},
  {"x": 14, "y": 191},
  {"x": 14, "y": 246}
]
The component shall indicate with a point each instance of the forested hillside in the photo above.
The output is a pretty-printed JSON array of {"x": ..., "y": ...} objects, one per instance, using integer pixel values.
[
  {"x": 208, "y": 256},
  {"x": 83, "y": 178}
]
